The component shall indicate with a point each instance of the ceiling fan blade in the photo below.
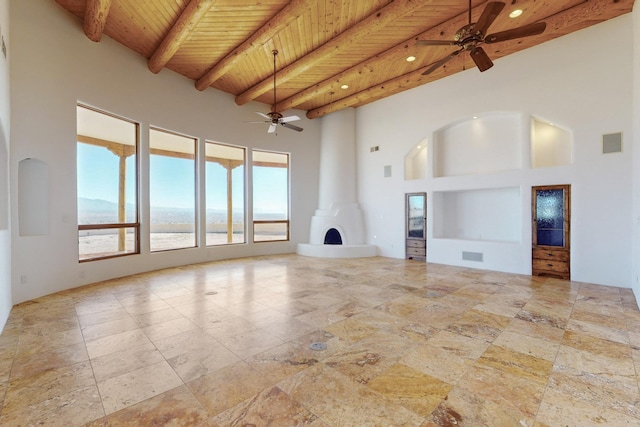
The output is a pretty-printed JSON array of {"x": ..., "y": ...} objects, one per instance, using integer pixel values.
[
  {"x": 441, "y": 62},
  {"x": 290, "y": 126},
  {"x": 489, "y": 14},
  {"x": 515, "y": 33},
  {"x": 481, "y": 59},
  {"x": 272, "y": 128},
  {"x": 435, "y": 43},
  {"x": 289, "y": 119},
  {"x": 263, "y": 115}
]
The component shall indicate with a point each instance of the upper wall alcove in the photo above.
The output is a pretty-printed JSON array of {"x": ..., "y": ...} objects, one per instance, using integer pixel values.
[
  {"x": 415, "y": 162},
  {"x": 550, "y": 145},
  {"x": 480, "y": 144}
]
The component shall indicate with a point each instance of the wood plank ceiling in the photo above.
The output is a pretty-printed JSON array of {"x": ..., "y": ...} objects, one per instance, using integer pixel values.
[{"x": 323, "y": 45}]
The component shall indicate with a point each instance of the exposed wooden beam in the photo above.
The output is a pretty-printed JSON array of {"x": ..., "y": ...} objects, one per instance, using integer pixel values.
[
  {"x": 569, "y": 20},
  {"x": 370, "y": 24},
  {"x": 256, "y": 41},
  {"x": 401, "y": 50},
  {"x": 189, "y": 18},
  {"x": 95, "y": 18}
]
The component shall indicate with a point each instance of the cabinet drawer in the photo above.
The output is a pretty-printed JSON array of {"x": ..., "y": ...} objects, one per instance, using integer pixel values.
[
  {"x": 416, "y": 251},
  {"x": 550, "y": 265},
  {"x": 554, "y": 255},
  {"x": 416, "y": 243}
]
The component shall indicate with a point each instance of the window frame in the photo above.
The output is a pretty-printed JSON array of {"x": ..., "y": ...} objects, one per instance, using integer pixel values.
[
  {"x": 196, "y": 198},
  {"x": 83, "y": 139},
  {"x": 287, "y": 221},
  {"x": 229, "y": 187}
]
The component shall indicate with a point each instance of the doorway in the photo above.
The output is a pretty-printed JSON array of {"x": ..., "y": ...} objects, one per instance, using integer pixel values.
[
  {"x": 415, "y": 226},
  {"x": 551, "y": 225}
]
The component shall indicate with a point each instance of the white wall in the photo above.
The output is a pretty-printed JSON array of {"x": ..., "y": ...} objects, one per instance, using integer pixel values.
[
  {"x": 5, "y": 230},
  {"x": 579, "y": 82},
  {"x": 53, "y": 67}
]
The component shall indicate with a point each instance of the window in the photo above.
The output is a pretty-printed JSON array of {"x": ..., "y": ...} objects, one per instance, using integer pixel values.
[
  {"x": 270, "y": 196},
  {"x": 107, "y": 183},
  {"x": 172, "y": 190},
  {"x": 224, "y": 194}
]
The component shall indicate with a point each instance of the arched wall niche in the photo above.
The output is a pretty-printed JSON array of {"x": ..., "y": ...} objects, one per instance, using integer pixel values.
[
  {"x": 4, "y": 182},
  {"x": 33, "y": 197},
  {"x": 480, "y": 144},
  {"x": 415, "y": 162},
  {"x": 551, "y": 145}
]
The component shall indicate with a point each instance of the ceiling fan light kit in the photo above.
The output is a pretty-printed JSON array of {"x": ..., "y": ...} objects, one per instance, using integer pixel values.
[
  {"x": 471, "y": 36},
  {"x": 274, "y": 118}
]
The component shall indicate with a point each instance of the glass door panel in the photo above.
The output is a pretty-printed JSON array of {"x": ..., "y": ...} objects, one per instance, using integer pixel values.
[
  {"x": 550, "y": 217},
  {"x": 415, "y": 216}
]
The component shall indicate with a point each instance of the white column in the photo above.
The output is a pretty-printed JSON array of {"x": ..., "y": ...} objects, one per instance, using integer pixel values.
[{"x": 338, "y": 159}]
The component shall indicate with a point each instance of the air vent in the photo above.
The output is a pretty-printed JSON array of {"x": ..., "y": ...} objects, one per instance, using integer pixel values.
[
  {"x": 472, "y": 256},
  {"x": 612, "y": 143}
]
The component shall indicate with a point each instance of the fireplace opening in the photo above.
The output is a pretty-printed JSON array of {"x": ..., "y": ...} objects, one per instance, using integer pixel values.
[{"x": 332, "y": 237}]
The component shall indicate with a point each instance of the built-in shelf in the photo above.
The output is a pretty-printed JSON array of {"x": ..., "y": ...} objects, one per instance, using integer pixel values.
[{"x": 478, "y": 215}]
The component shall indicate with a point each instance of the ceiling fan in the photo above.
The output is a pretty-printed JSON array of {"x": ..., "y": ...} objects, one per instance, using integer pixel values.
[
  {"x": 275, "y": 118},
  {"x": 472, "y": 35}
]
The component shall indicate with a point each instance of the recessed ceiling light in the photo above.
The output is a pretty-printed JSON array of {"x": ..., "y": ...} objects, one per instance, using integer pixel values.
[
  {"x": 344, "y": 87},
  {"x": 411, "y": 58},
  {"x": 515, "y": 13},
  {"x": 475, "y": 117}
]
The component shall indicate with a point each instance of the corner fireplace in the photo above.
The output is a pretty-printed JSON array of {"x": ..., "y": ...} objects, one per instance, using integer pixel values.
[{"x": 337, "y": 227}]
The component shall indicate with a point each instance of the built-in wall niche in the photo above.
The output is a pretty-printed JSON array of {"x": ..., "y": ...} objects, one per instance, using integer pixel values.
[
  {"x": 33, "y": 197},
  {"x": 550, "y": 144},
  {"x": 4, "y": 183},
  {"x": 478, "y": 145},
  {"x": 415, "y": 162},
  {"x": 487, "y": 215}
]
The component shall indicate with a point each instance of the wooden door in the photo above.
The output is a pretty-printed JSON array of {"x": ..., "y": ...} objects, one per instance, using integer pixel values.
[
  {"x": 416, "y": 230},
  {"x": 551, "y": 225}
]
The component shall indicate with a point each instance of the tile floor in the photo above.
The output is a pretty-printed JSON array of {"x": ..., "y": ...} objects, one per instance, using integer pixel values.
[{"x": 228, "y": 344}]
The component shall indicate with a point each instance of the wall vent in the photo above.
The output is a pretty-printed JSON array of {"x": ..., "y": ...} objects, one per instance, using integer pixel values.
[
  {"x": 472, "y": 256},
  {"x": 612, "y": 143}
]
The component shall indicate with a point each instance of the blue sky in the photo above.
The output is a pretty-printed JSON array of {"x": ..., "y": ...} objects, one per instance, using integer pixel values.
[{"x": 172, "y": 181}]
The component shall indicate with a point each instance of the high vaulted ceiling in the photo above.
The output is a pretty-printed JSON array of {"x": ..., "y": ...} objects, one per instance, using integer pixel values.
[{"x": 322, "y": 44}]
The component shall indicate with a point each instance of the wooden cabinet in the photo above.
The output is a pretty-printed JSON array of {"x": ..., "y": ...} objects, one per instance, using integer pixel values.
[
  {"x": 415, "y": 225},
  {"x": 550, "y": 262},
  {"x": 550, "y": 207}
]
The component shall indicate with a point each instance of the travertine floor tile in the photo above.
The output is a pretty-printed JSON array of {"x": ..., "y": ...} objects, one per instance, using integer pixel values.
[
  {"x": 411, "y": 389},
  {"x": 135, "y": 386},
  {"x": 71, "y": 409},
  {"x": 338, "y": 400},
  {"x": 29, "y": 391},
  {"x": 271, "y": 407},
  {"x": 176, "y": 407},
  {"x": 290, "y": 340}
]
